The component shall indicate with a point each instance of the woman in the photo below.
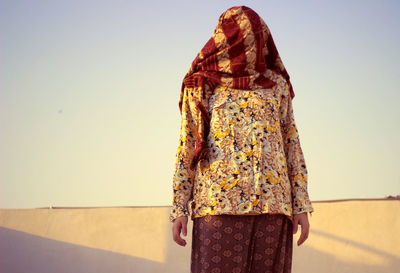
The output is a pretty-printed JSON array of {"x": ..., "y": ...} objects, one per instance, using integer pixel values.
[{"x": 240, "y": 170}]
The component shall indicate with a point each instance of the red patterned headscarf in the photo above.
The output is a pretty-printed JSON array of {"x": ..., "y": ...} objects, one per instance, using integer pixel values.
[{"x": 237, "y": 55}]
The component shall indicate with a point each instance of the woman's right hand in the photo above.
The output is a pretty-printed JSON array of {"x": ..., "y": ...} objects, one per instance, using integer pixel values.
[{"x": 179, "y": 224}]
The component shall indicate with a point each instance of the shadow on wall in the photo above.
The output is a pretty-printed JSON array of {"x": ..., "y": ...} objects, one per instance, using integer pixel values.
[
  {"x": 101, "y": 240},
  {"x": 23, "y": 252},
  {"x": 308, "y": 259}
]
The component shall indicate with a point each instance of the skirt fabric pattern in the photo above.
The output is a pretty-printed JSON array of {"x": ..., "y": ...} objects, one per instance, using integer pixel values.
[{"x": 242, "y": 244}]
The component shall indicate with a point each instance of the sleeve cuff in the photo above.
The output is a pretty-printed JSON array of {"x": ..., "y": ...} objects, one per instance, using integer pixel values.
[
  {"x": 177, "y": 211},
  {"x": 302, "y": 203}
]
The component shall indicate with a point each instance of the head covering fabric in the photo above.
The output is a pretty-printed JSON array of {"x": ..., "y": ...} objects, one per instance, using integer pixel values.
[{"x": 237, "y": 55}]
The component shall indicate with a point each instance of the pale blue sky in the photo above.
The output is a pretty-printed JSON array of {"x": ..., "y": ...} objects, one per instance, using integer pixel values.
[{"x": 89, "y": 95}]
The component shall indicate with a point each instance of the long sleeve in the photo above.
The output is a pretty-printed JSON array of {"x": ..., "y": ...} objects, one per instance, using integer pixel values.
[
  {"x": 297, "y": 169},
  {"x": 183, "y": 177}
]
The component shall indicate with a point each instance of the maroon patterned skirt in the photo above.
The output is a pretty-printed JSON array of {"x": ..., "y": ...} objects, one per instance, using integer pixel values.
[{"x": 242, "y": 244}]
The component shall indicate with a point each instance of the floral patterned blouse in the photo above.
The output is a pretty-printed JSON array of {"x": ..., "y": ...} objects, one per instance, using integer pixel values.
[{"x": 256, "y": 164}]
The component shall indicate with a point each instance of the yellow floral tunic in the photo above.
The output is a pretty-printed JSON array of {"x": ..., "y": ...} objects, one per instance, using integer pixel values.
[{"x": 256, "y": 163}]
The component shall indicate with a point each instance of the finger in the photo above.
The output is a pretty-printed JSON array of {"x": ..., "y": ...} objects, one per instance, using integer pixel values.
[
  {"x": 295, "y": 224},
  {"x": 304, "y": 234},
  {"x": 179, "y": 240},
  {"x": 176, "y": 235},
  {"x": 301, "y": 240},
  {"x": 184, "y": 230}
]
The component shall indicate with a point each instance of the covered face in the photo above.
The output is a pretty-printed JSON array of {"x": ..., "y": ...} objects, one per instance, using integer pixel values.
[{"x": 238, "y": 54}]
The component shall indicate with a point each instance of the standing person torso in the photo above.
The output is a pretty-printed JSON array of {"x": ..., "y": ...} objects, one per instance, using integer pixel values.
[{"x": 255, "y": 165}]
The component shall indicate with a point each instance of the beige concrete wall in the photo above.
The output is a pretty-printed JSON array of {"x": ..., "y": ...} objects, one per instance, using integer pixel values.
[{"x": 348, "y": 236}]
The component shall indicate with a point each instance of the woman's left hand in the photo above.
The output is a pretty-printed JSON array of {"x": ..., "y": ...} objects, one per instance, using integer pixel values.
[{"x": 302, "y": 220}]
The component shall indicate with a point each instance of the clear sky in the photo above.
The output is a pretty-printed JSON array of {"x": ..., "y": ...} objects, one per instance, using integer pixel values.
[{"x": 89, "y": 95}]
